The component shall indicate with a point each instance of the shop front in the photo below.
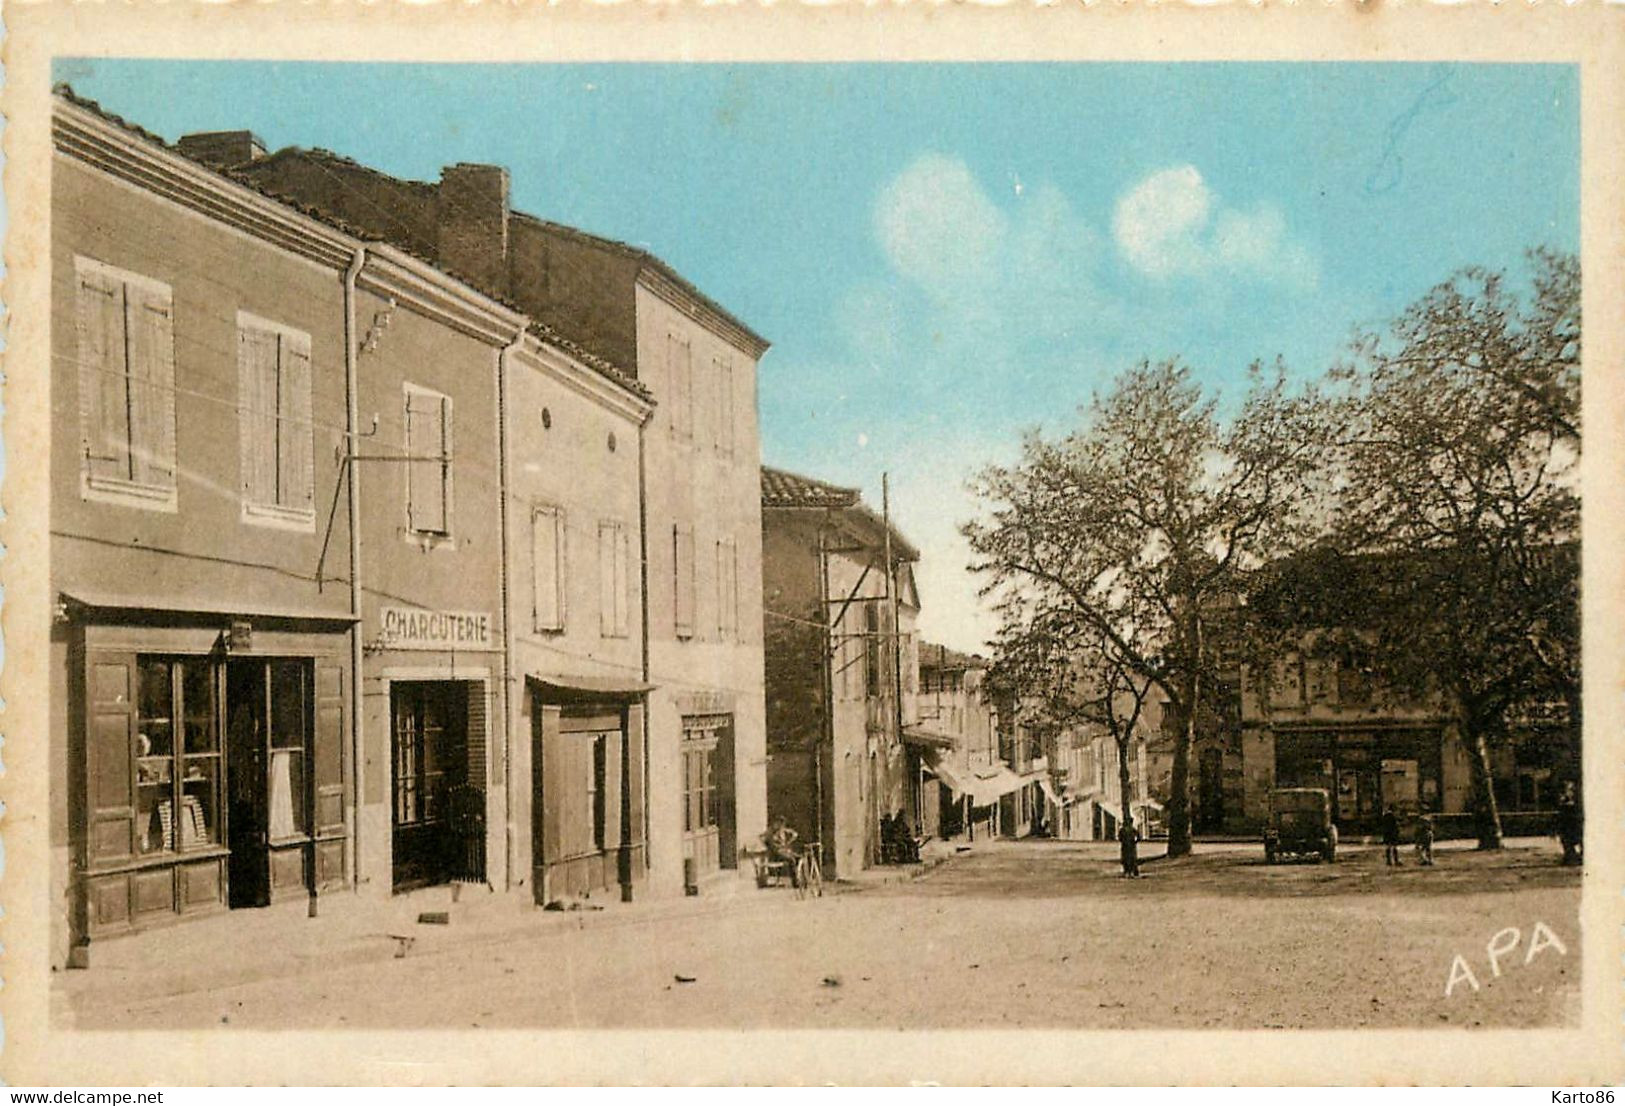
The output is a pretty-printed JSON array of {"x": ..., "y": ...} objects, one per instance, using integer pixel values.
[
  {"x": 1365, "y": 771},
  {"x": 589, "y": 787},
  {"x": 210, "y": 764},
  {"x": 710, "y": 840}
]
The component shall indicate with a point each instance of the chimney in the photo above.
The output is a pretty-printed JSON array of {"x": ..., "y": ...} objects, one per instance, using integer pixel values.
[
  {"x": 221, "y": 149},
  {"x": 471, "y": 213}
]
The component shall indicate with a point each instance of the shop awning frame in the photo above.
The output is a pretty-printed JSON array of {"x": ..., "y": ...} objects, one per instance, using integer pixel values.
[{"x": 605, "y": 689}]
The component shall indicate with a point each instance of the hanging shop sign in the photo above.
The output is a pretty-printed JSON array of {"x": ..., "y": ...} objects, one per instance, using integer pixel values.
[{"x": 406, "y": 628}]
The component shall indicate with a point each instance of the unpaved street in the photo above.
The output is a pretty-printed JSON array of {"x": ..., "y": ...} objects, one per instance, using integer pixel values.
[{"x": 1033, "y": 934}]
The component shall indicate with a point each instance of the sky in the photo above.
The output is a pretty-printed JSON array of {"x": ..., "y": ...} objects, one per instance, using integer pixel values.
[{"x": 945, "y": 255}]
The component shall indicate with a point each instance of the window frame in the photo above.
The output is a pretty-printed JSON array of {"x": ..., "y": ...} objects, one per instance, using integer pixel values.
[
  {"x": 278, "y": 515},
  {"x": 539, "y": 511},
  {"x": 614, "y": 579},
  {"x": 415, "y": 533},
  {"x": 126, "y": 491}
]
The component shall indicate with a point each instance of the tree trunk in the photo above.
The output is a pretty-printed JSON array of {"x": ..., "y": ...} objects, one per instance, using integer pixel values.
[
  {"x": 1124, "y": 787},
  {"x": 1179, "y": 811},
  {"x": 1488, "y": 812}
]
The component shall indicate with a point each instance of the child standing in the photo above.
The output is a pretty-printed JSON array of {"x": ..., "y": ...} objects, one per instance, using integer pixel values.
[{"x": 1424, "y": 841}]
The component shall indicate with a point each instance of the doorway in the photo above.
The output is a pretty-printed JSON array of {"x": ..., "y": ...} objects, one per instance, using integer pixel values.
[{"x": 429, "y": 746}]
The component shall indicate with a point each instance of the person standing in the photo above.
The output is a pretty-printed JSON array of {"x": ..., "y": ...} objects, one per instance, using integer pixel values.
[
  {"x": 1390, "y": 837},
  {"x": 1570, "y": 825},
  {"x": 1128, "y": 839},
  {"x": 1424, "y": 841}
]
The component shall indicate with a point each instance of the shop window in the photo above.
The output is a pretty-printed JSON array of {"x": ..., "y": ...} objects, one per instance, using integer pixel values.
[
  {"x": 547, "y": 568},
  {"x": 290, "y": 742},
  {"x": 274, "y": 422},
  {"x": 614, "y": 557},
  {"x": 428, "y": 463},
  {"x": 595, "y": 789},
  {"x": 177, "y": 755},
  {"x": 683, "y": 579},
  {"x": 727, "y": 589},
  {"x": 126, "y": 386}
]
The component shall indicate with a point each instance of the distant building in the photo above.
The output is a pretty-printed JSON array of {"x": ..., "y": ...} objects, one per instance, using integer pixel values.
[
  {"x": 962, "y": 782},
  {"x": 842, "y": 668}
]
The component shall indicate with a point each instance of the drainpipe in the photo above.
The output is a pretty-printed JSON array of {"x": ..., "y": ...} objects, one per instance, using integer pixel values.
[
  {"x": 509, "y": 716},
  {"x": 643, "y": 615},
  {"x": 353, "y": 419}
]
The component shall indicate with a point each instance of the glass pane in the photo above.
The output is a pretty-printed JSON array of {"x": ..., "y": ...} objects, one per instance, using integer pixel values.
[
  {"x": 287, "y": 793},
  {"x": 197, "y": 705},
  {"x": 154, "y": 785},
  {"x": 288, "y": 704},
  {"x": 155, "y": 729},
  {"x": 198, "y": 824}
]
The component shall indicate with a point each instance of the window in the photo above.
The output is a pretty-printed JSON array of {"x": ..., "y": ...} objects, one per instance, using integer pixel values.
[
  {"x": 547, "y": 568},
  {"x": 680, "y": 372},
  {"x": 613, "y": 555},
  {"x": 177, "y": 755},
  {"x": 683, "y": 578},
  {"x": 727, "y": 589},
  {"x": 873, "y": 667},
  {"x": 428, "y": 464},
  {"x": 274, "y": 422},
  {"x": 126, "y": 387},
  {"x": 723, "y": 374}
]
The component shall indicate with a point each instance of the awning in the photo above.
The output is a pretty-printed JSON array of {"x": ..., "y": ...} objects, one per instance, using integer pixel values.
[
  {"x": 984, "y": 786},
  {"x": 946, "y": 771},
  {"x": 146, "y": 604},
  {"x": 589, "y": 687},
  {"x": 926, "y": 739},
  {"x": 1050, "y": 792}
]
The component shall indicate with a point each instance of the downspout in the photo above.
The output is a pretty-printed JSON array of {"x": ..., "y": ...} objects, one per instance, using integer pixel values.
[
  {"x": 353, "y": 418},
  {"x": 643, "y": 628},
  {"x": 509, "y": 712}
]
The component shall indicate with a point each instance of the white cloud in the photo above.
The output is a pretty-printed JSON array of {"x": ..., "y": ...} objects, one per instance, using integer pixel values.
[
  {"x": 938, "y": 227},
  {"x": 1172, "y": 224}
]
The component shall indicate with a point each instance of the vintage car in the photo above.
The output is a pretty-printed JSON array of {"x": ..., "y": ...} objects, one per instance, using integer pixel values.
[{"x": 1300, "y": 825}]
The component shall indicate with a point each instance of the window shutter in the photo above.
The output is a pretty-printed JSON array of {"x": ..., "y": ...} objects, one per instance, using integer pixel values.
[
  {"x": 444, "y": 484},
  {"x": 623, "y": 555},
  {"x": 547, "y": 567},
  {"x": 427, "y": 423},
  {"x": 151, "y": 344},
  {"x": 110, "y": 737},
  {"x": 103, "y": 381},
  {"x": 725, "y": 404},
  {"x": 328, "y": 751},
  {"x": 727, "y": 590},
  {"x": 295, "y": 438},
  {"x": 607, "y": 543},
  {"x": 683, "y": 562},
  {"x": 256, "y": 412},
  {"x": 681, "y": 359}
]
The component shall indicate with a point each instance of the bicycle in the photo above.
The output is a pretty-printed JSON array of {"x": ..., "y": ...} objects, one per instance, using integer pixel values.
[{"x": 810, "y": 871}]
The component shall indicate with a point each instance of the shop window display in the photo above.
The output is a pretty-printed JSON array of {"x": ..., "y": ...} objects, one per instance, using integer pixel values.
[{"x": 177, "y": 784}]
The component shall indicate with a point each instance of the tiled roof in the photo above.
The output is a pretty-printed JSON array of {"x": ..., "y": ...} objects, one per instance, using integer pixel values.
[
  {"x": 941, "y": 658},
  {"x": 787, "y": 489},
  {"x": 601, "y": 365}
]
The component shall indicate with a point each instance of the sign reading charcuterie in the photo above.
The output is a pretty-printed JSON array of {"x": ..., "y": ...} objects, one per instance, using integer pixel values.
[{"x": 405, "y": 628}]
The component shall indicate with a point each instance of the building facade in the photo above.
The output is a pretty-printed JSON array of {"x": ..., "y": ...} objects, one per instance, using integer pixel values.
[
  {"x": 842, "y": 668},
  {"x": 346, "y": 555},
  {"x": 961, "y": 785}
]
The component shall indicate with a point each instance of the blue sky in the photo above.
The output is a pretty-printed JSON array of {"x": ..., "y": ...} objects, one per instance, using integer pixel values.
[{"x": 943, "y": 255}]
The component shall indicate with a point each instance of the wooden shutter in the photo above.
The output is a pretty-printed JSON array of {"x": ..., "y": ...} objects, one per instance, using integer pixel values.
[
  {"x": 445, "y": 465},
  {"x": 110, "y": 697},
  {"x": 295, "y": 440},
  {"x": 151, "y": 344},
  {"x": 608, "y": 542},
  {"x": 428, "y": 419},
  {"x": 257, "y": 413},
  {"x": 623, "y": 556},
  {"x": 634, "y": 775},
  {"x": 330, "y": 740},
  {"x": 104, "y": 414},
  {"x": 727, "y": 589},
  {"x": 683, "y": 566},
  {"x": 724, "y": 371},
  {"x": 547, "y": 567},
  {"x": 681, "y": 359}
]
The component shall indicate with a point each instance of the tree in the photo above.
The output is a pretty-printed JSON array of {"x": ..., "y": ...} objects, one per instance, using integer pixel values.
[
  {"x": 1136, "y": 526},
  {"x": 1460, "y": 468}
]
